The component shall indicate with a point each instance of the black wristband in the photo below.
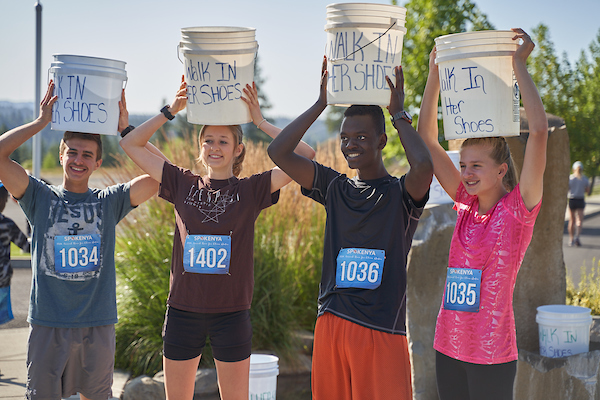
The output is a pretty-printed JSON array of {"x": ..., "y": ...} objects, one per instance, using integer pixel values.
[
  {"x": 125, "y": 131},
  {"x": 167, "y": 113}
]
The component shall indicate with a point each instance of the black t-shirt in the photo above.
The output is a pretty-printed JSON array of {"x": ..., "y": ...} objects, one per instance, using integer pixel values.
[{"x": 376, "y": 215}]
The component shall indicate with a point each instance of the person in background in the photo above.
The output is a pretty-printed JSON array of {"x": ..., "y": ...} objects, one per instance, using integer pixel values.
[
  {"x": 579, "y": 185},
  {"x": 9, "y": 233}
]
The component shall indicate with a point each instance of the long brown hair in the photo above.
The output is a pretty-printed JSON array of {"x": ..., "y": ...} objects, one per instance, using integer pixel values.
[
  {"x": 238, "y": 136},
  {"x": 500, "y": 153}
]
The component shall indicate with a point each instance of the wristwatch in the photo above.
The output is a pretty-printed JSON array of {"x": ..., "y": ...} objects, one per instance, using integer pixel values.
[
  {"x": 127, "y": 130},
  {"x": 167, "y": 113},
  {"x": 401, "y": 115}
]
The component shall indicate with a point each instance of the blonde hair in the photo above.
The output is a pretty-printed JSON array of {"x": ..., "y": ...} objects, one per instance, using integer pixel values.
[
  {"x": 238, "y": 136},
  {"x": 500, "y": 153}
]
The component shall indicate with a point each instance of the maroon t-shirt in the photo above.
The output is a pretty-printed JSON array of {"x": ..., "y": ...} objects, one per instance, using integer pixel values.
[{"x": 215, "y": 207}]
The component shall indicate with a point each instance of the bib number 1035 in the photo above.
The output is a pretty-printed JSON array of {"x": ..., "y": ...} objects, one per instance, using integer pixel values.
[
  {"x": 207, "y": 254},
  {"x": 359, "y": 268},
  {"x": 76, "y": 253},
  {"x": 463, "y": 287}
]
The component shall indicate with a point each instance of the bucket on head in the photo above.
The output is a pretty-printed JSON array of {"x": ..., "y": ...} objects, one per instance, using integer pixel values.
[
  {"x": 88, "y": 90},
  {"x": 218, "y": 63},
  {"x": 478, "y": 88},
  {"x": 563, "y": 330},
  {"x": 437, "y": 194},
  {"x": 263, "y": 376},
  {"x": 364, "y": 44}
]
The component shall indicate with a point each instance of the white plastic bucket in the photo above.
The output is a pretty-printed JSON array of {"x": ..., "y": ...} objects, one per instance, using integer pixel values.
[
  {"x": 218, "y": 63},
  {"x": 563, "y": 330},
  {"x": 479, "y": 91},
  {"x": 437, "y": 194},
  {"x": 88, "y": 90},
  {"x": 364, "y": 44},
  {"x": 263, "y": 376}
]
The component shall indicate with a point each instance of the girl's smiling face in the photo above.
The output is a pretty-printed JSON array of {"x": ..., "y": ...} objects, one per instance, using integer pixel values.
[
  {"x": 218, "y": 150},
  {"x": 479, "y": 172}
]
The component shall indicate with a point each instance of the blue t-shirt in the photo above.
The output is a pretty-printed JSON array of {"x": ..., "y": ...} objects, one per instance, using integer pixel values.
[{"x": 64, "y": 295}]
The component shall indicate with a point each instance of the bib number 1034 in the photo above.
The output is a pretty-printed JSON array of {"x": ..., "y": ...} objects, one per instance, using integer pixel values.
[
  {"x": 76, "y": 253},
  {"x": 463, "y": 287},
  {"x": 359, "y": 268},
  {"x": 207, "y": 254}
]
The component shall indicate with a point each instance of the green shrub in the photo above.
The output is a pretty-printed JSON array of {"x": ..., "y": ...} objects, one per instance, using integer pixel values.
[{"x": 587, "y": 293}]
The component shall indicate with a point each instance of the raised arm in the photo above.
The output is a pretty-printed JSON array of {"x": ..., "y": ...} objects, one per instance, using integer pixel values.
[
  {"x": 278, "y": 178},
  {"x": 135, "y": 144},
  {"x": 418, "y": 178},
  {"x": 281, "y": 149},
  {"x": 427, "y": 126},
  {"x": 12, "y": 174},
  {"x": 534, "y": 163},
  {"x": 142, "y": 187}
]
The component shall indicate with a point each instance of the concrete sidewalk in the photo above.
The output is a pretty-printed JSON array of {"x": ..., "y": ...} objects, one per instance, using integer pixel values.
[{"x": 13, "y": 371}]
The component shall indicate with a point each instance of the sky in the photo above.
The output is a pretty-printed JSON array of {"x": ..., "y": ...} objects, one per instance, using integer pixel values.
[{"x": 145, "y": 34}]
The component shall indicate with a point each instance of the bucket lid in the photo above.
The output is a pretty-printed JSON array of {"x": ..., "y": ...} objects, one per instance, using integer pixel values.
[
  {"x": 87, "y": 60},
  {"x": 218, "y": 31},
  {"x": 564, "y": 313},
  {"x": 386, "y": 8},
  {"x": 473, "y": 35},
  {"x": 346, "y": 25}
]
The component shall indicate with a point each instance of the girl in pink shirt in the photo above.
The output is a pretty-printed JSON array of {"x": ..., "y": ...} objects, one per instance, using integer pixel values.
[{"x": 475, "y": 338}]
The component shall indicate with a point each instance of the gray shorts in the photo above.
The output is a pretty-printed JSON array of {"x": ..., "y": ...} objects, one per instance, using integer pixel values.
[{"x": 64, "y": 361}]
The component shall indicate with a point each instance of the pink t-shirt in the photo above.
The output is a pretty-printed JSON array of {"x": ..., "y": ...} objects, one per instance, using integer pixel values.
[{"x": 495, "y": 243}]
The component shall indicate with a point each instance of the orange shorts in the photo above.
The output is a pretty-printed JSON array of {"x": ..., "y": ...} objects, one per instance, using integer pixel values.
[{"x": 353, "y": 362}]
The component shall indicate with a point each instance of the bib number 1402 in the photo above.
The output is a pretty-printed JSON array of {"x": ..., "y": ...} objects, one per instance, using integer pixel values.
[{"x": 207, "y": 254}]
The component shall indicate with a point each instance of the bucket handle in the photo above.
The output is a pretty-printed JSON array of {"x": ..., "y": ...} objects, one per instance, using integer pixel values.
[
  {"x": 333, "y": 60},
  {"x": 255, "y": 52}
]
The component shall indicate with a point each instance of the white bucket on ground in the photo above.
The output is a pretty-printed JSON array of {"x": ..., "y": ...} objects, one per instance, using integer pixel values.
[
  {"x": 563, "y": 330},
  {"x": 88, "y": 90},
  {"x": 364, "y": 44},
  {"x": 437, "y": 194},
  {"x": 263, "y": 376},
  {"x": 218, "y": 63},
  {"x": 479, "y": 91}
]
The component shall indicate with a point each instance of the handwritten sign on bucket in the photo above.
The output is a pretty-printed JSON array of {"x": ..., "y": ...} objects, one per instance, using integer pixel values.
[
  {"x": 479, "y": 97},
  {"x": 88, "y": 90},
  {"x": 215, "y": 84},
  {"x": 358, "y": 62}
]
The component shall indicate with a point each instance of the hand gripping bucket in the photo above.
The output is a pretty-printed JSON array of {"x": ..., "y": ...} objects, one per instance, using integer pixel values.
[
  {"x": 263, "y": 376},
  {"x": 218, "y": 63},
  {"x": 88, "y": 90},
  {"x": 478, "y": 88},
  {"x": 564, "y": 330},
  {"x": 364, "y": 44}
]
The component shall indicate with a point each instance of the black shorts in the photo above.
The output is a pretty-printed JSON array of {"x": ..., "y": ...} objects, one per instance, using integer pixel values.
[
  {"x": 185, "y": 332},
  {"x": 576, "y": 204}
]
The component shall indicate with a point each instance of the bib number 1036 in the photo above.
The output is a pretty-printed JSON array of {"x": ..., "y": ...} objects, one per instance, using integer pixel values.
[
  {"x": 76, "y": 253},
  {"x": 207, "y": 254},
  {"x": 359, "y": 268},
  {"x": 463, "y": 287}
]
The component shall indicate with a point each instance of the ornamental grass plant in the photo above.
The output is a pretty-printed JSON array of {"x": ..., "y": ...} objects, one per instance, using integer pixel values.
[
  {"x": 587, "y": 292},
  {"x": 288, "y": 250}
]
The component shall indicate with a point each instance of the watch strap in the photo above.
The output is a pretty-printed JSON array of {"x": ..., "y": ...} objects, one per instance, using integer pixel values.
[{"x": 167, "y": 113}]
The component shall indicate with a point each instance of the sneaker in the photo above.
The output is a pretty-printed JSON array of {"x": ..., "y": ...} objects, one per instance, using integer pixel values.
[
  {"x": 577, "y": 242},
  {"x": 571, "y": 243}
]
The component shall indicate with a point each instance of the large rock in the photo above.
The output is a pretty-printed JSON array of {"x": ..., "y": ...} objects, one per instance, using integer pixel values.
[
  {"x": 427, "y": 262},
  {"x": 574, "y": 377},
  {"x": 144, "y": 388}
]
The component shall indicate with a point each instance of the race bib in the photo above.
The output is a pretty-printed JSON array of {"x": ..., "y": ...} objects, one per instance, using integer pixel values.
[
  {"x": 77, "y": 253},
  {"x": 359, "y": 268},
  {"x": 463, "y": 287},
  {"x": 207, "y": 254}
]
